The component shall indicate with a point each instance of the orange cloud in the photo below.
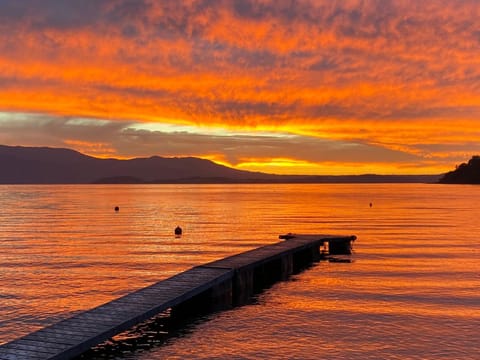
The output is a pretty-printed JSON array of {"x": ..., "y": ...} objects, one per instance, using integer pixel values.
[{"x": 397, "y": 75}]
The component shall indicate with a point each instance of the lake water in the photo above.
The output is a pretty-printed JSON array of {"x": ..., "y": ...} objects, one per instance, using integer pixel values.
[{"x": 412, "y": 290}]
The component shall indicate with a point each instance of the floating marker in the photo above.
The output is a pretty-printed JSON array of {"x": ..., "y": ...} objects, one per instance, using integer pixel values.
[{"x": 178, "y": 230}]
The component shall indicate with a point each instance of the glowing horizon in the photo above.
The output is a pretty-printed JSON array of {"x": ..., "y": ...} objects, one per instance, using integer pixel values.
[{"x": 309, "y": 87}]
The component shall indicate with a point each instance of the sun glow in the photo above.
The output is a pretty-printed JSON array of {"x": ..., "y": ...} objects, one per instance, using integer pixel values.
[{"x": 299, "y": 167}]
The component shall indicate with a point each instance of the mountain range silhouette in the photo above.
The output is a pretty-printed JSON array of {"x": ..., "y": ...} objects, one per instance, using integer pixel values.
[{"x": 44, "y": 165}]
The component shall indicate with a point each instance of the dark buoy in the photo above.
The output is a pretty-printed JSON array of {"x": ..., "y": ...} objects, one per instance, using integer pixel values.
[
  {"x": 178, "y": 230},
  {"x": 371, "y": 204},
  {"x": 117, "y": 208}
]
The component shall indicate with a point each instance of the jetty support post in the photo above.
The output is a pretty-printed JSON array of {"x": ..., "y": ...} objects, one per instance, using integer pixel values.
[
  {"x": 216, "y": 298},
  {"x": 340, "y": 246},
  {"x": 243, "y": 286},
  {"x": 286, "y": 266},
  {"x": 305, "y": 257},
  {"x": 270, "y": 271}
]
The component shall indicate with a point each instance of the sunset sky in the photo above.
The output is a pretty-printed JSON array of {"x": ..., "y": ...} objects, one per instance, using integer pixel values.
[{"x": 291, "y": 87}]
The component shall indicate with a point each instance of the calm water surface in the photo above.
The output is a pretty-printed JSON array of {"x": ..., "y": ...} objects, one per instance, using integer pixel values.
[{"x": 412, "y": 290}]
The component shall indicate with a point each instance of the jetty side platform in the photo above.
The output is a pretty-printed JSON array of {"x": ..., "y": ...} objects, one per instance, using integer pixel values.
[{"x": 219, "y": 284}]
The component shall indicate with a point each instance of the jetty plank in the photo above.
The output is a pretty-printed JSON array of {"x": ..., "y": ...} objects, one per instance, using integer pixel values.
[
  {"x": 37, "y": 349},
  {"x": 75, "y": 335},
  {"x": 38, "y": 344}
]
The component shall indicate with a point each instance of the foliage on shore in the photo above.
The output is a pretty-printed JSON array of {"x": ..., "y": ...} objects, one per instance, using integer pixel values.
[{"x": 465, "y": 173}]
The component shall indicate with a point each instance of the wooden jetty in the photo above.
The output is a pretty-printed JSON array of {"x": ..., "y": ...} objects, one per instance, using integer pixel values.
[{"x": 222, "y": 283}]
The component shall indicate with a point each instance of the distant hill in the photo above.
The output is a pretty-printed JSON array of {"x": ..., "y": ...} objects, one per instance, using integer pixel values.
[
  {"x": 464, "y": 173},
  {"x": 43, "y": 165}
]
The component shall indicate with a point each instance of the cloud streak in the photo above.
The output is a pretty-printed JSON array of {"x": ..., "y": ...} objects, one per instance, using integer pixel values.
[
  {"x": 396, "y": 77},
  {"x": 125, "y": 139}
]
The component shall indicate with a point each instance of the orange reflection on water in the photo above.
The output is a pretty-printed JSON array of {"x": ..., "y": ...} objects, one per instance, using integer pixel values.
[{"x": 66, "y": 249}]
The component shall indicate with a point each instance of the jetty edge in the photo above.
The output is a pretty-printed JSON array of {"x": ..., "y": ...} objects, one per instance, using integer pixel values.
[{"x": 220, "y": 284}]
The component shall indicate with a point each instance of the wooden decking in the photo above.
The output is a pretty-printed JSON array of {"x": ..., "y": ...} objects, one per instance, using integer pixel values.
[{"x": 231, "y": 280}]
